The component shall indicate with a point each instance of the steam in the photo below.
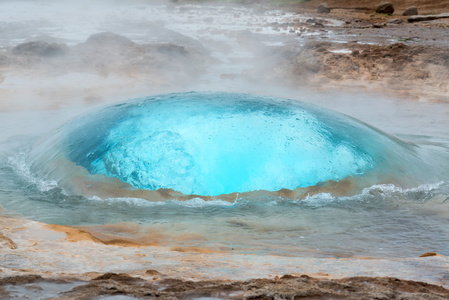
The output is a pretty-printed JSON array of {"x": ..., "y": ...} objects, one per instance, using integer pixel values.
[
  {"x": 70, "y": 56},
  {"x": 206, "y": 47}
]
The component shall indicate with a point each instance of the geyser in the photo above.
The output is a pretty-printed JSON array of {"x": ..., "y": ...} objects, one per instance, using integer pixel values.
[{"x": 217, "y": 143}]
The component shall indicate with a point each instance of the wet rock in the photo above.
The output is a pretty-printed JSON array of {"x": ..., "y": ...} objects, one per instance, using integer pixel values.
[
  {"x": 323, "y": 8},
  {"x": 420, "y": 18},
  {"x": 284, "y": 287},
  {"x": 120, "y": 277},
  {"x": 427, "y": 254},
  {"x": 385, "y": 8},
  {"x": 412, "y": 63},
  {"x": 411, "y": 11},
  {"x": 152, "y": 272},
  {"x": 395, "y": 21},
  {"x": 176, "y": 59},
  {"x": 40, "y": 48},
  {"x": 108, "y": 40},
  {"x": 21, "y": 279}
]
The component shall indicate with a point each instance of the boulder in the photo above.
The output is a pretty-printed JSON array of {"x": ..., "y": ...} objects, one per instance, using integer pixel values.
[
  {"x": 385, "y": 8},
  {"x": 323, "y": 8},
  {"x": 40, "y": 48},
  {"x": 411, "y": 11}
]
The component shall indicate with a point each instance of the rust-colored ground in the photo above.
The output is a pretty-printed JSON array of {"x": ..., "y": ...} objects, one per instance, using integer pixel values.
[{"x": 285, "y": 287}]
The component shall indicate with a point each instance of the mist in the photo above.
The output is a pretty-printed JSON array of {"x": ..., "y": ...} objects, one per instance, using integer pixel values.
[{"x": 62, "y": 58}]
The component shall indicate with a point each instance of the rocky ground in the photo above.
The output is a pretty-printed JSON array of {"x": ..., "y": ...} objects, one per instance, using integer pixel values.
[
  {"x": 285, "y": 287},
  {"x": 397, "y": 55},
  {"x": 400, "y": 69},
  {"x": 367, "y": 52},
  {"x": 104, "y": 55},
  {"x": 372, "y": 52},
  {"x": 70, "y": 268}
]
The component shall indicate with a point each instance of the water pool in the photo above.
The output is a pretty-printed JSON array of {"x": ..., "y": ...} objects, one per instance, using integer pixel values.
[{"x": 239, "y": 171}]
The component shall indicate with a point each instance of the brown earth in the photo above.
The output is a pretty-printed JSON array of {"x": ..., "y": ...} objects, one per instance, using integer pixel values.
[
  {"x": 414, "y": 72},
  {"x": 424, "y": 6},
  {"x": 374, "y": 52},
  {"x": 285, "y": 287}
]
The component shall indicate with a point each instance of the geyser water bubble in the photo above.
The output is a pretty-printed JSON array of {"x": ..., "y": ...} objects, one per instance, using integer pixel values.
[{"x": 217, "y": 143}]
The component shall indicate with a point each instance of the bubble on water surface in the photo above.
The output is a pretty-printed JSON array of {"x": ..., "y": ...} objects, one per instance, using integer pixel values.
[{"x": 218, "y": 143}]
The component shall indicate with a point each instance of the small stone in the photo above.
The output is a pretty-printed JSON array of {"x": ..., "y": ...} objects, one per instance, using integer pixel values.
[
  {"x": 323, "y": 8},
  {"x": 411, "y": 11},
  {"x": 152, "y": 273},
  {"x": 421, "y": 18},
  {"x": 395, "y": 21},
  {"x": 427, "y": 254},
  {"x": 379, "y": 25},
  {"x": 385, "y": 8}
]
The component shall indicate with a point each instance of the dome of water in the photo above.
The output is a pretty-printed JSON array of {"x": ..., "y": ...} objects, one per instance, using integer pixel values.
[{"x": 217, "y": 143}]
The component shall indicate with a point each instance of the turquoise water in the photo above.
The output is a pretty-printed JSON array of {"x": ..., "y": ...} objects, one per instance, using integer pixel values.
[
  {"x": 214, "y": 143},
  {"x": 211, "y": 144},
  {"x": 112, "y": 165}
]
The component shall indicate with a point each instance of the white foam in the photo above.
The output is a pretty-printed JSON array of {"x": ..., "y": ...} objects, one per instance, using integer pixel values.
[
  {"x": 384, "y": 191},
  {"x": 129, "y": 201},
  {"x": 195, "y": 202},
  {"x": 341, "y": 51},
  {"x": 389, "y": 189},
  {"x": 22, "y": 168},
  {"x": 319, "y": 199}
]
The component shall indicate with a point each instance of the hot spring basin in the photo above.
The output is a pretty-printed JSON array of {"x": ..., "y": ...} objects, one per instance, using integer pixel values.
[{"x": 217, "y": 143}]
